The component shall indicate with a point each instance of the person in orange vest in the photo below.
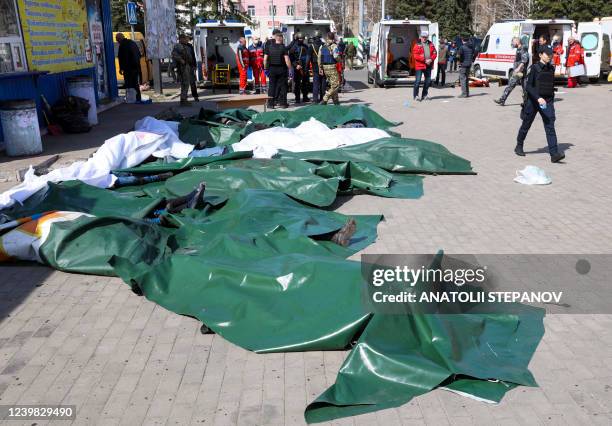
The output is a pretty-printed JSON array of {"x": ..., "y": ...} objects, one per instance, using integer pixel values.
[
  {"x": 557, "y": 47},
  {"x": 256, "y": 55},
  {"x": 575, "y": 56},
  {"x": 242, "y": 60}
]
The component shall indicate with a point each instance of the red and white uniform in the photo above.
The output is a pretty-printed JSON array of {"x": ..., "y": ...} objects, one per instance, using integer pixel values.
[
  {"x": 256, "y": 60},
  {"x": 242, "y": 59},
  {"x": 575, "y": 56}
]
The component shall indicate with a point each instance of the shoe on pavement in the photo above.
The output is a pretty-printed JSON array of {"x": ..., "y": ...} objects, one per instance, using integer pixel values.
[
  {"x": 185, "y": 103},
  {"x": 427, "y": 98},
  {"x": 499, "y": 102},
  {"x": 519, "y": 151},
  {"x": 417, "y": 99},
  {"x": 462, "y": 96},
  {"x": 555, "y": 158},
  {"x": 344, "y": 235},
  {"x": 305, "y": 100},
  {"x": 284, "y": 106}
]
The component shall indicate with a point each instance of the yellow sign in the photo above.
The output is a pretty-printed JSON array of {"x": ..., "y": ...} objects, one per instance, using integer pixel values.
[{"x": 56, "y": 35}]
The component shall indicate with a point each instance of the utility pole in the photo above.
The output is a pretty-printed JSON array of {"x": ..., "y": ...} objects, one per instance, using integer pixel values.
[
  {"x": 382, "y": 9},
  {"x": 360, "y": 28},
  {"x": 272, "y": 13}
]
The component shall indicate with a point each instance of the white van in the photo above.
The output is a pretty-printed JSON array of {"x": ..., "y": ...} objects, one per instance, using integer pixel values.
[
  {"x": 595, "y": 40},
  {"x": 215, "y": 42},
  {"x": 397, "y": 37},
  {"x": 307, "y": 27},
  {"x": 496, "y": 55}
]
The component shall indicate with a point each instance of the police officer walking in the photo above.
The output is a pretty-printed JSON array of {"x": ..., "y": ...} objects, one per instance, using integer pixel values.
[
  {"x": 300, "y": 59},
  {"x": 184, "y": 56},
  {"x": 277, "y": 67},
  {"x": 328, "y": 58},
  {"x": 318, "y": 80},
  {"x": 521, "y": 61},
  {"x": 465, "y": 57},
  {"x": 540, "y": 99}
]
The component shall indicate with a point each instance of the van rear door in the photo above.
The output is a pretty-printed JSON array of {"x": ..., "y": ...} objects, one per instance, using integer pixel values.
[
  {"x": 382, "y": 49},
  {"x": 373, "y": 53},
  {"x": 591, "y": 39},
  {"x": 434, "y": 37}
]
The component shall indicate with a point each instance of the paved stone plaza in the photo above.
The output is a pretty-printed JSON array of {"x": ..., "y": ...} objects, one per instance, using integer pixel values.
[{"x": 91, "y": 342}]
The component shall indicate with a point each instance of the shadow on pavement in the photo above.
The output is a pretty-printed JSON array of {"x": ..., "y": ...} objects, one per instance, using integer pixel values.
[
  {"x": 544, "y": 150},
  {"x": 18, "y": 280}
]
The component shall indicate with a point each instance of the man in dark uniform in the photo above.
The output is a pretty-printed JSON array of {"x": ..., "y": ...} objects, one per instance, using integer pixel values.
[
  {"x": 129, "y": 63},
  {"x": 277, "y": 67},
  {"x": 521, "y": 61},
  {"x": 300, "y": 59},
  {"x": 319, "y": 82},
  {"x": 540, "y": 90},
  {"x": 184, "y": 56},
  {"x": 465, "y": 57}
]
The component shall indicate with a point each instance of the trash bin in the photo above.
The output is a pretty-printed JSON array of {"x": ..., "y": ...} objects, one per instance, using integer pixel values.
[
  {"x": 83, "y": 87},
  {"x": 20, "y": 127}
]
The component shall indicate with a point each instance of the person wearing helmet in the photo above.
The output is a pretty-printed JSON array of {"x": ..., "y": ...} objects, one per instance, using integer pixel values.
[
  {"x": 318, "y": 81},
  {"x": 328, "y": 58},
  {"x": 299, "y": 55}
]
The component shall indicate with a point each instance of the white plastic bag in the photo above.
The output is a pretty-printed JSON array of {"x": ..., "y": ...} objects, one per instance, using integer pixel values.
[{"x": 532, "y": 175}]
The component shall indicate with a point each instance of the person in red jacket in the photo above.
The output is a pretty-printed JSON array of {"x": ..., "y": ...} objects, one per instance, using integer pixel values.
[
  {"x": 424, "y": 54},
  {"x": 557, "y": 48},
  {"x": 256, "y": 55},
  {"x": 242, "y": 60},
  {"x": 575, "y": 56}
]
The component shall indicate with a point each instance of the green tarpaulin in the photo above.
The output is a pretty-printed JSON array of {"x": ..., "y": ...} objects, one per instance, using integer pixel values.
[{"x": 256, "y": 263}]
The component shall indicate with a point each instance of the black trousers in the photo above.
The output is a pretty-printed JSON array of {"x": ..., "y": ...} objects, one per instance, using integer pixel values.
[
  {"x": 319, "y": 85},
  {"x": 300, "y": 84},
  {"x": 131, "y": 79},
  {"x": 277, "y": 89},
  {"x": 441, "y": 72},
  {"x": 528, "y": 114}
]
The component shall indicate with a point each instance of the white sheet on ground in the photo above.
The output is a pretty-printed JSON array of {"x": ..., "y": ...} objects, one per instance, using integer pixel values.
[
  {"x": 311, "y": 135},
  {"x": 151, "y": 137}
]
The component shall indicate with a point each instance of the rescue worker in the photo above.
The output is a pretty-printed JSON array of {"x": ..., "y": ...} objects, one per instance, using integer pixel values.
[
  {"x": 575, "y": 56},
  {"x": 351, "y": 52},
  {"x": 184, "y": 56},
  {"x": 557, "y": 47},
  {"x": 256, "y": 56},
  {"x": 129, "y": 64},
  {"x": 277, "y": 68},
  {"x": 318, "y": 81},
  {"x": 465, "y": 58},
  {"x": 540, "y": 90},
  {"x": 521, "y": 62},
  {"x": 300, "y": 60},
  {"x": 242, "y": 60},
  {"x": 424, "y": 53},
  {"x": 328, "y": 58}
]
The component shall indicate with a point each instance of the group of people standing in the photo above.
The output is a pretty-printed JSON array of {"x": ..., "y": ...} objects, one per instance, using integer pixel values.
[{"x": 295, "y": 62}]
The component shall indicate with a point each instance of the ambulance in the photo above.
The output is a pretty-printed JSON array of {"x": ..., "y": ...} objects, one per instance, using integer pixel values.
[
  {"x": 496, "y": 55},
  {"x": 595, "y": 40},
  {"x": 215, "y": 42},
  {"x": 389, "y": 59},
  {"x": 307, "y": 27}
]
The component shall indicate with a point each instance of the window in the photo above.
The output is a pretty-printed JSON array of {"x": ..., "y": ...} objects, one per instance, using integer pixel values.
[
  {"x": 11, "y": 45},
  {"x": 272, "y": 10},
  {"x": 251, "y": 10},
  {"x": 589, "y": 41},
  {"x": 290, "y": 10},
  {"x": 485, "y": 45}
]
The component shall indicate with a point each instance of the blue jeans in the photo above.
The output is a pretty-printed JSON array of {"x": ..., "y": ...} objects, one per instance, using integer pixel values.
[
  {"x": 530, "y": 110},
  {"x": 427, "y": 73},
  {"x": 318, "y": 86}
]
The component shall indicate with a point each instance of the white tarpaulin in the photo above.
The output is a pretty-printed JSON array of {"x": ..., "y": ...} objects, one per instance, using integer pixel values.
[
  {"x": 311, "y": 135},
  {"x": 151, "y": 137}
]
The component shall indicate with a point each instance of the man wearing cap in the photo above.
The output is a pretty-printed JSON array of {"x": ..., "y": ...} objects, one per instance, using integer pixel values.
[
  {"x": 424, "y": 54},
  {"x": 277, "y": 67},
  {"x": 328, "y": 58},
  {"x": 300, "y": 58},
  {"x": 540, "y": 90},
  {"x": 521, "y": 61},
  {"x": 256, "y": 56},
  {"x": 184, "y": 56},
  {"x": 318, "y": 81}
]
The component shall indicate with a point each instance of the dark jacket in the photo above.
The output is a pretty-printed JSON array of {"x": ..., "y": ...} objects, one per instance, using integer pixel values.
[
  {"x": 465, "y": 55},
  {"x": 299, "y": 54},
  {"x": 539, "y": 87},
  {"x": 313, "y": 51},
  {"x": 129, "y": 56}
]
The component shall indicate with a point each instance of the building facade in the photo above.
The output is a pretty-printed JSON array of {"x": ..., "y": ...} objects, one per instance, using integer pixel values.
[
  {"x": 269, "y": 14},
  {"x": 43, "y": 43}
]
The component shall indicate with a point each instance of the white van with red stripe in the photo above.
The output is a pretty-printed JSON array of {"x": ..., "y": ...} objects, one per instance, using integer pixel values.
[{"x": 496, "y": 55}]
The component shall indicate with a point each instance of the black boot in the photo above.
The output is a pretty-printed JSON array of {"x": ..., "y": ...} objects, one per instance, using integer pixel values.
[
  {"x": 499, "y": 102},
  {"x": 555, "y": 158},
  {"x": 519, "y": 150}
]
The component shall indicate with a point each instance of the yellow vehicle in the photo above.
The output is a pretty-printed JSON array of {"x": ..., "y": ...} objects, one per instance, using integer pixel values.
[{"x": 145, "y": 64}]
